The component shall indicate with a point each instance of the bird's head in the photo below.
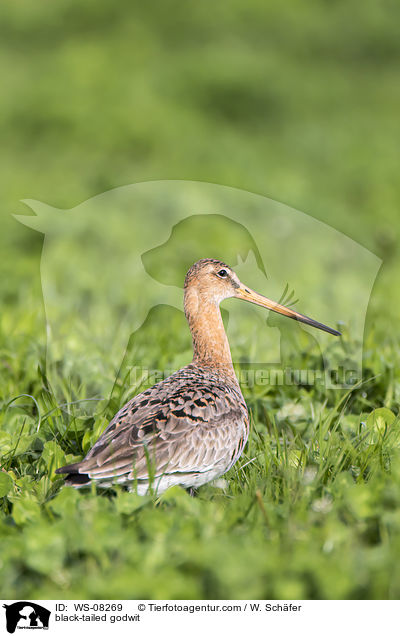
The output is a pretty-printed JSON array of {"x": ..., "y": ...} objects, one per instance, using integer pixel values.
[{"x": 212, "y": 281}]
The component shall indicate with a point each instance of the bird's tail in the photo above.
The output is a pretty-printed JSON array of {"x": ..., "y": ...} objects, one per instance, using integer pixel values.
[{"x": 74, "y": 477}]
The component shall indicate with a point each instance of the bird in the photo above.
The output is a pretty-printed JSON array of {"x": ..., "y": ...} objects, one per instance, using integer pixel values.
[{"x": 190, "y": 428}]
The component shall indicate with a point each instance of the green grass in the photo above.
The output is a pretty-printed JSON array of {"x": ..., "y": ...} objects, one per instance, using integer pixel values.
[
  {"x": 300, "y": 105},
  {"x": 310, "y": 510}
]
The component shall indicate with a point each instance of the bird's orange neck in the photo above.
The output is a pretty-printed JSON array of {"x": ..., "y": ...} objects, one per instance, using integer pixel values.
[{"x": 210, "y": 344}]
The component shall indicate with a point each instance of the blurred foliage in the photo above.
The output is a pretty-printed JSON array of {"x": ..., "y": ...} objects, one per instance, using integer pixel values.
[{"x": 299, "y": 103}]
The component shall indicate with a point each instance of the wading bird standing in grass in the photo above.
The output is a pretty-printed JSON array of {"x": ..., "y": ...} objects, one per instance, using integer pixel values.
[{"x": 192, "y": 427}]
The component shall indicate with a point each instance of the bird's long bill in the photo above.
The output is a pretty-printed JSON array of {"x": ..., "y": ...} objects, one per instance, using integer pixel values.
[{"x": 252, "y": 297}]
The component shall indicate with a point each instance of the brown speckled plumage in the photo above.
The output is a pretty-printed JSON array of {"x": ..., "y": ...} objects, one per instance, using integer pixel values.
[{"x": 191, "y": 427}]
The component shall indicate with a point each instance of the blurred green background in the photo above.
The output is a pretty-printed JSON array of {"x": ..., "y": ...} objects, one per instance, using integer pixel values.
[{"x": 298, "y": 102}]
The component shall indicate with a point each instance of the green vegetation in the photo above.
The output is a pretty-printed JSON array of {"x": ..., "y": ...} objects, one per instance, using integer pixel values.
[{"x": 297, "y": 103}]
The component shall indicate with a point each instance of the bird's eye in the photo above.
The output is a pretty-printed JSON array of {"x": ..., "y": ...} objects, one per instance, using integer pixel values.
[{"x": 222, "y": 273}]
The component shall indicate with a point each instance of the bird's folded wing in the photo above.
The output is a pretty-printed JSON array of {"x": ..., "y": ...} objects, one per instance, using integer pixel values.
[{"x": 169, "y": 429}]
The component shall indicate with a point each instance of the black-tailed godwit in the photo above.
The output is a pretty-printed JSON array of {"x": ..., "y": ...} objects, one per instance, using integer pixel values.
[{"x": 191, "y": 427}]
